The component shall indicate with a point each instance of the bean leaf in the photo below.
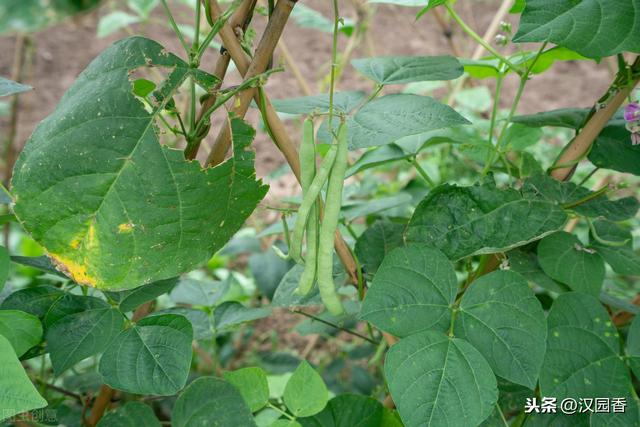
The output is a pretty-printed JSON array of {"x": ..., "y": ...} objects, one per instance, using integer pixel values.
[
  {"x": 152, "y": 357},
  {"x": 118, "y": 196},
  {"x": 392, "y": 117},
  {"x": 582, "y": 357},
  {"x": 464, "y": 221},
  {"x": 412, "y": 291},
  {"x": 252, "y": 384},
  {"x": 582, "y": 26},
  {"x": 305, "y": 393},
  {"x": 80, "y": 335},
  {"x": 388, "y": 70},
  {"x": 501, "y": 317},
  {"x": 437, "y": 380}
]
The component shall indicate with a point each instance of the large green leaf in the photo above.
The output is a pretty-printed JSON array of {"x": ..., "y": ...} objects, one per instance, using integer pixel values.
[
  {"x": 564, "y": 258},
  {"x": 392, "y": 117},
  {"x": 582, "y": 357},
  {"x": 23, "y": 330},
  {"x": 152, "y": 357},
  {"x": 9, "y": 87},
  {"x": 211, "y": 401},
  {"x": 348, "y": 410},
  {"x": 389, "y": 70},
  {"x": 501, "y": 317},
  {"x": 412, "y": 291},
  {"x": 252, "y": 384},
  {"x": 77, "y": 336},
  {"x": 305, "y": 393},
  {"x": 464, "y": 221},
  {"x": 436, "y": 380},
  {"x": 594, "y": 28},
  {"x": 114, "y": 208},
  {"x": 17, "y": 393},
  {"x": 132, "y": 414}
]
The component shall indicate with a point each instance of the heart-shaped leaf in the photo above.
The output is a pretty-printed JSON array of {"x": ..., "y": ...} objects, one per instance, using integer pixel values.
[
  {"x": 582, "y": 357},
  {"x": 501, "y": 317},
  {"x": 152, "y": 357},
  {"x": 437, "y": 380},
  {"x": 117, "y": 196},
  {"x": 413, "y": 290}
]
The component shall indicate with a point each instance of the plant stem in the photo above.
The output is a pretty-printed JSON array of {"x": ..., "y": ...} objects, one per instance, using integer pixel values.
[
  {"x": 479, "y": 39},
  {"x": 261, "y": 59},
  {"x": 423, "y": 173},
  {"x": 334, "y": 60},
  {"x": 175, "y": 28},
  {"x": 280, "y": 411},
  {"x": 494, "y": 112},
  {"x": 587, "y": 198},
  {"x": 333, "y": 325},
  {"x": 524, "y": 78}
]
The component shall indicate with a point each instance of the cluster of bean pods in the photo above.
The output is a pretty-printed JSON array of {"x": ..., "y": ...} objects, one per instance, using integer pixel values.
[{"x": 318, "y": 260}]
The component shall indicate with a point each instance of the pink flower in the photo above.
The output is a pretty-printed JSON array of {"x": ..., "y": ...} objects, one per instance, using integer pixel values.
[{"x": 632, "y": 112}]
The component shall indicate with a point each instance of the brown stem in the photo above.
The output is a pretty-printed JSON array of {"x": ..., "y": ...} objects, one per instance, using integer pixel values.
[
  {"x": 579, "y": 147},
  {"x": 239, "y": 19},
  {"x": 259, "y": 65}
]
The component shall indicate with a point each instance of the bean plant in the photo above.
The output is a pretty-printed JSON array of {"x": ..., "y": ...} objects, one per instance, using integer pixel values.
[{"x": 465, "y": 264}]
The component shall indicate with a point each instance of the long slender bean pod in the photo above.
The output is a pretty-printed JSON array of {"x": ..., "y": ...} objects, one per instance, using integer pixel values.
[
  {"x": 308, "y": 172},
  {"x": 308, "y": 201},
  {"x": 330, "y": 224}
]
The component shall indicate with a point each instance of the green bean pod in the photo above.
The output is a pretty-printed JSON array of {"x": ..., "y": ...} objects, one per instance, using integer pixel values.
[
  {"x": 330, "y": 224},
  {"x": 307, "y": 173},
  {"x": 308, "y": 201}
]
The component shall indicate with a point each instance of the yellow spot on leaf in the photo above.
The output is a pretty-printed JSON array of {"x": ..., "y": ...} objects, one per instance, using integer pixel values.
[
  {"x": 75, "y": 244},
  {"x": 125, "y": 228},
  {"x": 74, "y": 270}
]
